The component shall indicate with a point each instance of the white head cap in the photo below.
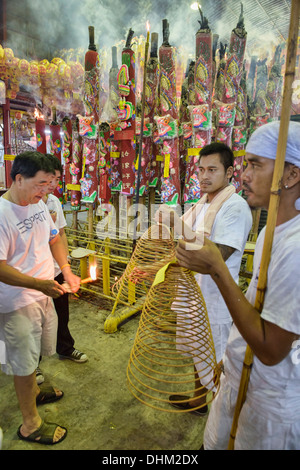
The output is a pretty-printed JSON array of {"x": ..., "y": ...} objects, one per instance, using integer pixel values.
[{"x": 263, "y": 142}]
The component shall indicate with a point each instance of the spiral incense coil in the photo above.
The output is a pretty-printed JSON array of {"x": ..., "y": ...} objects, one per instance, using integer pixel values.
[
  {"x": 173, "y": 336},
  {"x": 155, "y": 248}
]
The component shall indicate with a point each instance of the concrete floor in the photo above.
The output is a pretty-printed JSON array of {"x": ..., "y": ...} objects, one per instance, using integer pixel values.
[{"x": 98, "y": 410}]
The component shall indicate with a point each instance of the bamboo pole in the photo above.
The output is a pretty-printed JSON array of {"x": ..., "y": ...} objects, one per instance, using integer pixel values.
[{"x": 274, "y": 203}]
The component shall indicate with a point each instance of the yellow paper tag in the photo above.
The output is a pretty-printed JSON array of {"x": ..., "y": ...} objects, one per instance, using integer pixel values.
[
  {"x": 73, "y": 187},
  {"x": 115, "y": 154},
  {"x": 9, "y": 157},
  {"x": 167, "y": 166},
  {"x": 159, "y": 158},
  {"x": 83, "y": 167},
  {"x": 161, "y": 274},
  {"x": 239, "y": 153},
  {"x": 193, "y": 152}
]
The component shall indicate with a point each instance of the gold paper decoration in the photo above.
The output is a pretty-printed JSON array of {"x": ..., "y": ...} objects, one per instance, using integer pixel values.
[{"x": 173, "y": 335}]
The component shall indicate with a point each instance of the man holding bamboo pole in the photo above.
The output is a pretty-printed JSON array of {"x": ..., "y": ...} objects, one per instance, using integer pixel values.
[{"x": 270, "y": 416}]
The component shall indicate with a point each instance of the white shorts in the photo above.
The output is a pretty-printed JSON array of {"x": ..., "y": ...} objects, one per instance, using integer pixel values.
[
  {"x": 254, "y": 431},
  {"x": 25, "y": 335}
]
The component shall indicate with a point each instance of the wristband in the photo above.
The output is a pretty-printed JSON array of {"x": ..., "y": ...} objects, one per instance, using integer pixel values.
[{"x": 64, "y": 266}]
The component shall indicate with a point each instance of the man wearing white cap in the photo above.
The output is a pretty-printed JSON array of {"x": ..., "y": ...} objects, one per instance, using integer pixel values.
[{"x": 270, "y": 416}]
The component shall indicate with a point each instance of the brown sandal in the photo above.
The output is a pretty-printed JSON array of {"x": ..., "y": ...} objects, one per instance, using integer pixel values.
[
  {"x": 44, "y": 434},
  {"x": 47, "y": 395}
]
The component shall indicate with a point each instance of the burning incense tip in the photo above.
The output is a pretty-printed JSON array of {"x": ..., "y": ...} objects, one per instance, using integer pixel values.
[
  {"x": 93, "y": 272},
  {"x": 87, "y": 280},
  {"x": 37, "y": 114},
  {"x": 195, "y": 6},
  {"x": 148, "y": 31},
  {"x": 92, "y": 277}
]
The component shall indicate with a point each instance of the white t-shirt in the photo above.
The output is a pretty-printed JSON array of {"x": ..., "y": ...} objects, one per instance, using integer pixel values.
[
  {"x": 231, "y": 227},
  {"x": 54, "y": 204},
  {"x": 274, "y": 391},
  {"x": 25, "y": 233}
]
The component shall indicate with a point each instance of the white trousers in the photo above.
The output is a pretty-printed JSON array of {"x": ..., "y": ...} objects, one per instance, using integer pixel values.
[{"x": 254, "y": 432}]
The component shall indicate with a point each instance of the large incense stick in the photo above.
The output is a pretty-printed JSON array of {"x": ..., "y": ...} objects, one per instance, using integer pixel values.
[
  {"x": 137, "y": 191},
  {"x": 274, "y": 203}
]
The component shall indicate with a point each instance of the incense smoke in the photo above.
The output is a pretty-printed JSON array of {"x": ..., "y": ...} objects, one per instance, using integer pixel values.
[{"x": 63, "y": 24}]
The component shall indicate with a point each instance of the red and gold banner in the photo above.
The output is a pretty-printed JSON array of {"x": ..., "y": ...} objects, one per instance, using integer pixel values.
[
  {"x": 167, "y": 132},
  {"x": 151, "y": 109},
  {"x": 67, "y": 149},
  {"x": 124, "y": 134},
  {"x": 104, "y": 165},
  {"x": 75, "y": 168},
  {"x": 55, "y": 149},
  {"x": 40, "y": 127},
  {"x": 88, "y": 124},
  {"x": 200, "y": 108}
]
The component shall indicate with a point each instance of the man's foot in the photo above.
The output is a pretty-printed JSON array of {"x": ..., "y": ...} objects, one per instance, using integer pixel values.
[
  {"x": 48, "y": 395},
  {"x": 76, "y": 356},
  {"x": 46, "y": 433},
  {"x": 185, "y": 403},
  {"x": 39, "y": 376}
]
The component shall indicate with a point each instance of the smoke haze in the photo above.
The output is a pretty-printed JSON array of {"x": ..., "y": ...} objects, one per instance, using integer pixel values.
[{"x": 63, "y": 24}]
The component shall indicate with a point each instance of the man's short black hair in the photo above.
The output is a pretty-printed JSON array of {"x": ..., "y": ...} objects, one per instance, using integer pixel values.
[
  {"x": 54, "y": 162},
  {"x": 225, "y": 152},
  {"x": 29, "y": 163}
]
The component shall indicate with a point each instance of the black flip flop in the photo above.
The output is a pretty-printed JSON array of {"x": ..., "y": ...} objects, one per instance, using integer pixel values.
[
  {"x": 44, "y": 434},
  {"x": 47, "y": 395},
  {"x": 180, "y": 402}
]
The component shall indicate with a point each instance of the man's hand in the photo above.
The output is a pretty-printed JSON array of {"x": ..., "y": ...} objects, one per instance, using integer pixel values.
[
  {"x": 206, "y": 259},
  {"x": 71, "y": 279},
  {"x": 50, "y": 288}
]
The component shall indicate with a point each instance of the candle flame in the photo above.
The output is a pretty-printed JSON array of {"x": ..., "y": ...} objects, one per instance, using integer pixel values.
[
  {"x": 37, "y": 114},
  {"x": 93, "y": 273},
  {"x": 148, "y": 25}
]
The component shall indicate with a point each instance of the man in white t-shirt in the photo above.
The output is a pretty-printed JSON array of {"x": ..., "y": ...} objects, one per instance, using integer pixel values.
[
  {"x": 65, "y": 342},
  {"x": 28, "y": 323},
  {"x": 227, "y": 218},
  {"x": 270, "y": 416}
]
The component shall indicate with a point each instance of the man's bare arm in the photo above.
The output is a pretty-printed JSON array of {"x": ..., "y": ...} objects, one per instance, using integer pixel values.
[
  {"x": 226, "y": 251},
  {"x": 11, "y": 276},
  {"x": 269, "y": 342},
  {"x": 58, "y": 249}
]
